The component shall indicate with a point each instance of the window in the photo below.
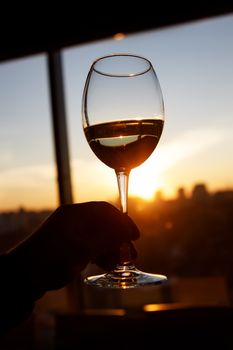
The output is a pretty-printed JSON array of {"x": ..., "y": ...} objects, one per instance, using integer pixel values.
[{"x": 27, "y": 178}]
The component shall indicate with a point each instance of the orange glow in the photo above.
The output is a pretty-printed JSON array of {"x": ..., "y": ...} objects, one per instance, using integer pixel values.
[
  {"x": 161, "y": 307},
  {"x": 153, "y": 307},
  {"x": 119, "y": 36}
]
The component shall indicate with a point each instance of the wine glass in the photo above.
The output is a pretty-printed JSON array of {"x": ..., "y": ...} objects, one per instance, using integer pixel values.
[{"x": 123, "y": 118}]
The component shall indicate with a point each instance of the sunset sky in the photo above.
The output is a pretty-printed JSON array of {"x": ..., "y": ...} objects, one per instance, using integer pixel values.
[{"x": 194, "y": 64}]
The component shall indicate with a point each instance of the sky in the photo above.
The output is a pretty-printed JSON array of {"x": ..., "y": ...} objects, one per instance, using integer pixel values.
[{"x": 194, "y": 65}]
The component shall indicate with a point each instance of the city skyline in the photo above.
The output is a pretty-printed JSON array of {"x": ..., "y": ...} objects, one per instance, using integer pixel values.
[{"x": 159, "y": 196}]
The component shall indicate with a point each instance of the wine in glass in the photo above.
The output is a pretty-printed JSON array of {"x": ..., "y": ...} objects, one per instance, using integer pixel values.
[{"x": 123, "y": 118}]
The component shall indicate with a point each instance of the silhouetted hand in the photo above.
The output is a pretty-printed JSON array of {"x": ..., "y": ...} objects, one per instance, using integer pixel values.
[{"x": 68, "y": 240}]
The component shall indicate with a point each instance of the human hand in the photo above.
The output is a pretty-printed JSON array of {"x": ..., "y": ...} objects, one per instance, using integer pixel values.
[{"x": 69, "y": 239}]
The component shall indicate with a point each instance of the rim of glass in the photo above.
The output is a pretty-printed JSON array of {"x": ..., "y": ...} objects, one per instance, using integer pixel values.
[{"x": 122, "y": 75}]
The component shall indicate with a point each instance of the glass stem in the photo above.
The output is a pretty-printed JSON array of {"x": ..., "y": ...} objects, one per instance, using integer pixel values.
[{"x": 122, "y": 181}]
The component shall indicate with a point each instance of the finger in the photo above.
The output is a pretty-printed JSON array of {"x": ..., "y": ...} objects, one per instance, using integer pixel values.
[
  {"x": 101, "y": 214},
  {"x": 134, "y": 232},
  {"x": 121, "y": 226}
]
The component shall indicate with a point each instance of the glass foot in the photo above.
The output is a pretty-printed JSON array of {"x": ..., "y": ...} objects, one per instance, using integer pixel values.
[{"x": 124, "y": 277}]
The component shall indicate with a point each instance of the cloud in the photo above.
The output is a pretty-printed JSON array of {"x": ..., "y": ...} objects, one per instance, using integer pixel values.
[{"x": 186, "y": 145}]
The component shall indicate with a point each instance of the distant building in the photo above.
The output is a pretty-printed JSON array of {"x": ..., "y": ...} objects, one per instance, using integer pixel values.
[
  {"x": 181, "y": 196},
  {"x": 200, "y": 193},
  {"x": 159, "y": 196},
  {"x": 224, "y": 196}
]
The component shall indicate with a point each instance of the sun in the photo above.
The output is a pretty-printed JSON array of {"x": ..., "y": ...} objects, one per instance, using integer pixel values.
[{"x": 145, "y": 180}]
